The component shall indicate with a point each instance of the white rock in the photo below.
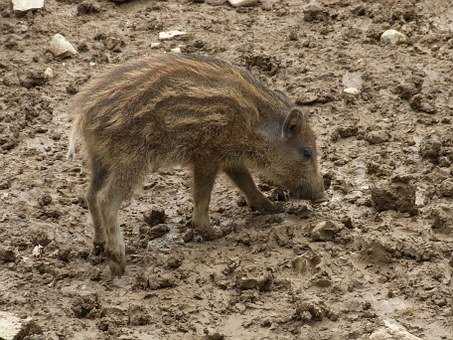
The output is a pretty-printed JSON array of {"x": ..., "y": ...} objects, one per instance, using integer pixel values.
[
  {"x": 155, "y": 45},
  {"x": 26, "y": 5},
  {"x": 241, "y": 3},
  {"x": 37, "y": 250},
  {"x": 48, "y": 73},
  {"x": 176, "y": 50},
  {"x": 393, "y": 37},
  {"x": 352, "y": 82},
  {"x": 392, "y": 331},
  {"x": 11, "y": 325},
  {"x": 351, "y": 90},
  {"x": 171, "y": 34},
  {"x": 60, "y": 47}
]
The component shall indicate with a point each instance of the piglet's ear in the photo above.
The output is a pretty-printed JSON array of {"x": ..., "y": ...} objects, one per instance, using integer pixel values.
[{"x": 293, "y": 123}]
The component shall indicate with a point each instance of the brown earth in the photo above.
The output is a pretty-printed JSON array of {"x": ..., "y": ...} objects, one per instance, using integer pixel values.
[{"x": 380, "y": 249}]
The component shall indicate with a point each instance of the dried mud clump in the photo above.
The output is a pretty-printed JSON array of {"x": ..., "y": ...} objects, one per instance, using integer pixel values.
[
  {"x": 430, "y": 148},
  {"x": 394, "y": 196},
  {"x": 442, "y": 217},
  {"x": 7, "y": 254},
  {"x": 138, "y": 316},
  {"x": 86, "y": 306},
  {"x": 309, "y": 311},
  {"x": 155, "y": 217}
]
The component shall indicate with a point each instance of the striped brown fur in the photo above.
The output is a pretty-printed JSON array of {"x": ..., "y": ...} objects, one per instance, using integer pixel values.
[{"x": 197, "y": 111}]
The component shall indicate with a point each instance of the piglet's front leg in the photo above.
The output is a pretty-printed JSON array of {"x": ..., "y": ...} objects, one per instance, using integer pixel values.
[{"x": 204, "y": 176}]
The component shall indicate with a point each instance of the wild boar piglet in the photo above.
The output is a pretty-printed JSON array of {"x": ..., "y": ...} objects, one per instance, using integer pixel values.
[{"x": 200, "y": 112}]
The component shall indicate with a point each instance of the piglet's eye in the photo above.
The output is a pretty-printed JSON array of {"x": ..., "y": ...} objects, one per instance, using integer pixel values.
[{"x": 307, "y": 153}]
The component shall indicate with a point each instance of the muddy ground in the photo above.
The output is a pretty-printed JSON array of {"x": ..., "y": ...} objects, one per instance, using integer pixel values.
[{"x": 379, "y": 251}]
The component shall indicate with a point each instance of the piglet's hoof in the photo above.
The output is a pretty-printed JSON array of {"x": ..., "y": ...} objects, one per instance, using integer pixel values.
[
  {"x": 117, "y": 264},
  {"x": 98, "y": 248}
]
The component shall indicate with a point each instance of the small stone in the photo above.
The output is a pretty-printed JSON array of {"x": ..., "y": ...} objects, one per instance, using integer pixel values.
[
  {"x": 325, "y": 231},
  {"x": 446, "y": 188},
  {"x": 13, "y": 327},
  {"x": 176, "y": 50},
  {"x": 430, "y": 147},
  {"x": 393, "y": 37},
  {"x": 392, "y": 331},
  {"x": 242, "y": 3},
  {"x": 60, "y": 47},
  {"x": 48, "y": 73},
  {"x": 37, "y": 250},
  {"x": 168, "y": 35},
  {"x": 155, "y": 45},
  {"x": 351, "y": 91},
  {"x": 26, "y": 5}
]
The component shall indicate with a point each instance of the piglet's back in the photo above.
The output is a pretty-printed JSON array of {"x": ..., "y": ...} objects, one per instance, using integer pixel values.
[{"x": 177, "y": 102}]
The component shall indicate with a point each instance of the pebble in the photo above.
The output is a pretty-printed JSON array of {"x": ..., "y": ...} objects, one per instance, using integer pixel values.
[
  {"x": 393, "y": 37},
  {"x": 242, "y": 3},
  {"x": 176, "y": 50},
  {"x": 392, "y": 331},
  {"x": 352, "y": 91},
  {"x": 171, "y": 34},
  {"x": 60, "y": 47},
  {"x": 155, "y": 45},
  {"x": 352, "y": 82},
  {"x": 37, "y": 251},
  {"x": 48, "y": 73},
  {"x": 26, "y": 5}
]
